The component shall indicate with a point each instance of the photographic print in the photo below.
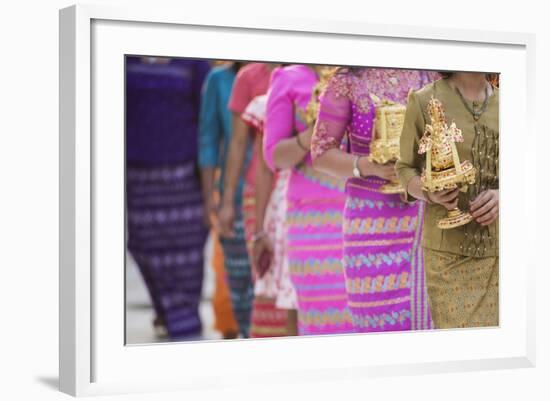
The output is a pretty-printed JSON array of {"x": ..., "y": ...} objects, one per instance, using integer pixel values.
[{"x": 271, "y": 199}]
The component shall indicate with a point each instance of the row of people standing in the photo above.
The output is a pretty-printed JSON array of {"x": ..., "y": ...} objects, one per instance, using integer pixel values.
[
  {"x": 308, "y": 247},
  {"x": 397, "y": 260},
  {"x": 351, "y": 254}
]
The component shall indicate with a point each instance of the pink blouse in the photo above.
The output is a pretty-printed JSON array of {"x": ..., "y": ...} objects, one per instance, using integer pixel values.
[
  {"x": 252, "y": 80},
  {"x": 288, "y": 96},
  {"x": 346, "y": 105}
]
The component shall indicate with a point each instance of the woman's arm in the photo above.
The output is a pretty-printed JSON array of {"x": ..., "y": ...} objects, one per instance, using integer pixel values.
[
  {"x": 233, "y": 168},
  {"x": 340, "y": 164},
  {"x": 291, "y": 151},
  {"x": 264, "y": 184},
  {"x": 201, "y": 71},
  {"x": 332, "y": 121},
  {"x": 447, "y": 198},
  {"x": 263, "y": 189},
  {"x": 410, "y": 162},
  {"x": 210, "y": 137},
  {"x": 282, "y": 149},
  {"x": 207, "y": 184}
]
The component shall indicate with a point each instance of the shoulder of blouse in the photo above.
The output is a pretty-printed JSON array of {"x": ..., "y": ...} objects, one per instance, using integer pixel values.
[
  {"x": 286, "y": 79},
  {"x": 290, "y": 72},
  {"x": 250, "y": 70},
  {"x": 277, "y": 74},
  {"x": 222, "y": 70},
  {"x": 427, "y": 90},
  {"x": 214, "y": 74},
  {"x": 423, "y": 95},
  {"x": 248, "y": 67},
  {"x": 280, "y": 80},
  {"x": 340, "y": 82}
]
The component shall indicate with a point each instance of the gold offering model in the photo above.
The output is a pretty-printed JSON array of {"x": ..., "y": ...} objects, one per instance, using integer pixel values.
[
  {"x": 310, "y": 114},
  {"x": 443, "y": 167},
  {"x": 387, "y": 127}
]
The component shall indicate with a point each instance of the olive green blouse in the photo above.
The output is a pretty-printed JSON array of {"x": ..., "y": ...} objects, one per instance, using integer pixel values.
[{"x": 480, "y": 146}]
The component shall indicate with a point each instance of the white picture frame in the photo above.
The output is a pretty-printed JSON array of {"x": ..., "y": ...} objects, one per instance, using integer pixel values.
[{"x": 93, "y": 357}]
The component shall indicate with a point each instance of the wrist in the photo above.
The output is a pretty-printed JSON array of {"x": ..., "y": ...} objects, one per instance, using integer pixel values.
[
  {"x": 227, "y": 198},
  {"x": 227, "y": 203},
  {"x": 364, "y": 166},
  {"x": 302, "y": 143},
  {"x": 258, "y": 235},
  {"x": 306, "y": 137},
  {"x": 209, "y": 204},
  {"x": 427, "y": 197},
  {"x": 357, "y": 171}
]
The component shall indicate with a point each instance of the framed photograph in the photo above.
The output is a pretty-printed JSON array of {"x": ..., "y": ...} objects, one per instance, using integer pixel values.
[{"x": 140, "y": 241}]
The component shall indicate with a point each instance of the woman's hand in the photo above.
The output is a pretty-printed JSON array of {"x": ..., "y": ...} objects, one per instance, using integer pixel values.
[
  {"x": 226, "y": 220},
  {"x": 210, "y": 212},
  {"x": 259, "y": 259},
  {"x": 447, "y": 198},
  {"x": 385, "y": 171},
  {"x": 289, "y": 152},
  {"x": 484, "y": 208}
]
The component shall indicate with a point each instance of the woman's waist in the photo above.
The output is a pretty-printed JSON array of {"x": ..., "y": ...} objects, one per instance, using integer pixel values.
[
  {"x": 144, "y": 171},
  {"x": 368, "y": 187},
  {"x": 306, "y": 182}
]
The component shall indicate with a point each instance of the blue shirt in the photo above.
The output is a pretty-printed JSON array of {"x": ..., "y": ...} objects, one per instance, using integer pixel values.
[{"x": 215, "y": 123}]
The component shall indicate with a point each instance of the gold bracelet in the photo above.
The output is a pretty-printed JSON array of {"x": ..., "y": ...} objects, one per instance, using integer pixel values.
[{"x": 300, "y": 144}]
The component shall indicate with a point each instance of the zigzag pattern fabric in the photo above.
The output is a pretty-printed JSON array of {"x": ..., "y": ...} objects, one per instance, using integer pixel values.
[{"x": 382, "y": 257}]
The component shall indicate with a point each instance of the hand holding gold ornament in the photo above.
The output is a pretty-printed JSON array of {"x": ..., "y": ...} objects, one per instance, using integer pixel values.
[
  {"x": 384, "y": 147},
  {"x": 484, "y": 208},
  {"x": 448, "y": 198},
  {"x": 444, "y": 171}
]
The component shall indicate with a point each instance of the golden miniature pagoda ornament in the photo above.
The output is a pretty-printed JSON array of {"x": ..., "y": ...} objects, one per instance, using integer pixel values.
[
  {"x": 386, "y": 131},
  {"x": 443, "y": 167},
  {"x": 309, "y": 115}
]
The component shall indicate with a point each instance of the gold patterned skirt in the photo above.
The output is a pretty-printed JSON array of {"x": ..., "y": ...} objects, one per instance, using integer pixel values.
[{"x": 462, "y": 290}]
